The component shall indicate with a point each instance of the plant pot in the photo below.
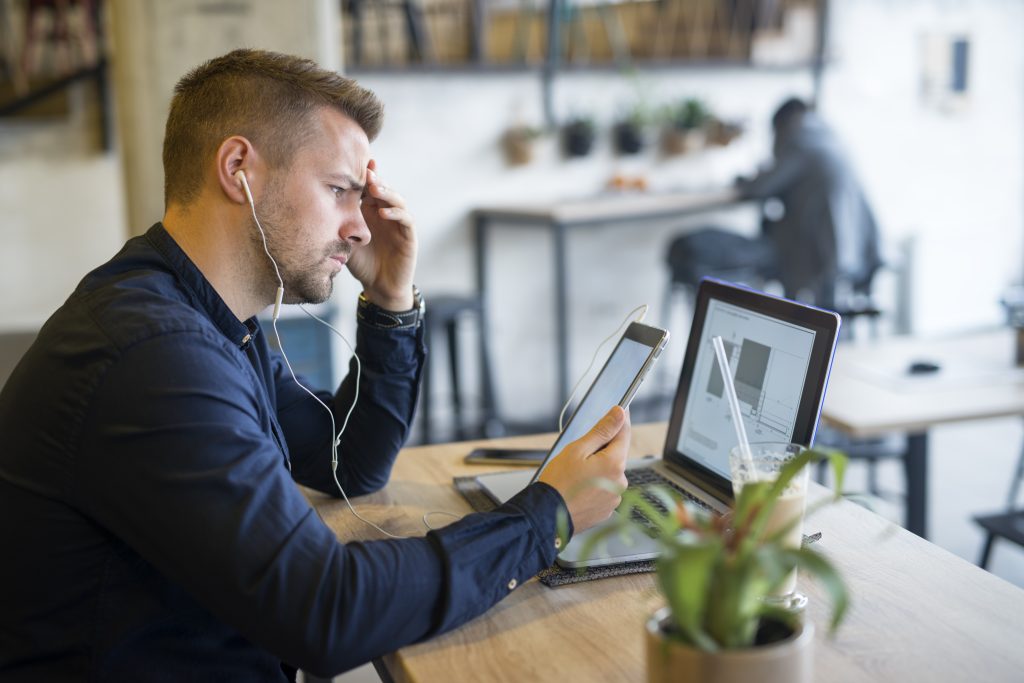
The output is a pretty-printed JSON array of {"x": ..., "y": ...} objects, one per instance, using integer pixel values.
[
  {"x": 518, "y": 147},
  {"x": 629, "y": 139},
  {"x": 788, "y": 660},
  {"x": 577, "y": 139},
  {"x": 677, "y": 141},
  {"x": 721, "y": 133}
]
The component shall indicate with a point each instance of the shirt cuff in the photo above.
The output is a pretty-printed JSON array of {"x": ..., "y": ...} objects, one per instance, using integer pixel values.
[
  {"x": 394, "y": 351},
  {"x": 541, "y": 504}
]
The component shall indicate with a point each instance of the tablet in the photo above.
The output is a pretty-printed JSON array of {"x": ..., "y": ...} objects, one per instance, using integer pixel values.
[{"x": 616, "y": 383}]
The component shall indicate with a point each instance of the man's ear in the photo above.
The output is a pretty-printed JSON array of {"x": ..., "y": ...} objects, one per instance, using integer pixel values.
[{"x": 236, "y": 154}]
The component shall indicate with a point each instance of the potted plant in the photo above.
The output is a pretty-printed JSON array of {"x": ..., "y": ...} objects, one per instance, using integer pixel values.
[
  {"x": 720, "y": 133},
  {"x": 684, "y": 127},
  {"x": 628, "y": 132},
  {"x": 517, "y": 144},
  {"x": 715, "y": 573},
  {"x": 578, "y": 136}
]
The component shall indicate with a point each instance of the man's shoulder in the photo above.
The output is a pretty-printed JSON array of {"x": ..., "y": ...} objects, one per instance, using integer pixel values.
[{"x": 132, "y": 298}]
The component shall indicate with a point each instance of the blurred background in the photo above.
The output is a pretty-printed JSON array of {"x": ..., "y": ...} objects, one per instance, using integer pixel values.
[{"x": 531, "y": 105}]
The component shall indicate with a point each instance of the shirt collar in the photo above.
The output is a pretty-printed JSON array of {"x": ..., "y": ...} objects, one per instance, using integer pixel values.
[{"x": 241, "y": 333}]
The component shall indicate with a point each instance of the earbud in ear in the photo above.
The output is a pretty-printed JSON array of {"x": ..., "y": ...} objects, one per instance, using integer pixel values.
[{"x": 240, "y": 175}]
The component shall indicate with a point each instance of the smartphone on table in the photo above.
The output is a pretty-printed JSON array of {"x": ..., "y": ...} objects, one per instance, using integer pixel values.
[{"x": 506, "y": 456}]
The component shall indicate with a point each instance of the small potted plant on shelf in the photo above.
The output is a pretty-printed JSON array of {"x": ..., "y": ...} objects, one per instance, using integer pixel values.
[
  {"x": 717, "y": 575},
  {"x": 720, "y": 133},
  {"x": 628, "y": 132},
  {"x": 578, "y": 136},
  {"x": 684, "y": 127},
  {"x": 517, "y": 144}
]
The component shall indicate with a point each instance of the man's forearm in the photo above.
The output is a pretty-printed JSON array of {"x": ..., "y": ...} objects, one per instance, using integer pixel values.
[{"x": 392, "y": 363}]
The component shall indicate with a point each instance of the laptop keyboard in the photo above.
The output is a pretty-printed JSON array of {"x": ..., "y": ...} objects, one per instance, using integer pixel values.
[{"x": 642, "y": 477}]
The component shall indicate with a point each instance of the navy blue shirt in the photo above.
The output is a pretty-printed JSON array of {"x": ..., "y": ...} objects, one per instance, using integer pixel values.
[{"x": 149, "y": 518}]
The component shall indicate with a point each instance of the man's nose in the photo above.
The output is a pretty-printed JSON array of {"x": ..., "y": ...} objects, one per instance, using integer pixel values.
[{"x": 354, "y": 229}]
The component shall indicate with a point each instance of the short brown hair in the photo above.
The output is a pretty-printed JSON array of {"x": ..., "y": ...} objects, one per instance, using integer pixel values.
[{"x": 267, "y": 97}]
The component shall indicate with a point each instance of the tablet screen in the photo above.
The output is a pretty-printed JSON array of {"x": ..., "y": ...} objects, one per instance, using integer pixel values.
[{"x": 628, "y": 360}]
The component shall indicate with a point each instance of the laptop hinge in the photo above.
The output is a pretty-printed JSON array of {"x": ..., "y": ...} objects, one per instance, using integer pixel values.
[{"x": 698, "y": 483}]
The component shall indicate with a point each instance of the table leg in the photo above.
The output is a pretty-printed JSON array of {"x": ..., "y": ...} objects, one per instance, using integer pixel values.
[
  {"x": 916, "y": 463},
  {"x": 561, "y": 314},
  {"x": 480, "y": 225},
  {"x": 382, "y": 670}
]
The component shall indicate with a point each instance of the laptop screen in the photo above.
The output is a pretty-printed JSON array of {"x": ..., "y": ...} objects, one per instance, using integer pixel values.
[
  {"x": 780, "y": 353},
  {"x": 768, "y": 358}
]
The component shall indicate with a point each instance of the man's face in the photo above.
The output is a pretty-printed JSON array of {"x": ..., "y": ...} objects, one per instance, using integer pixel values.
[{"x": 311, "y": 212}]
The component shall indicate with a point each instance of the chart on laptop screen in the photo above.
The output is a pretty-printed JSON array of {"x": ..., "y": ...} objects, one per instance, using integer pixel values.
[{"x": 768, "y": 359}]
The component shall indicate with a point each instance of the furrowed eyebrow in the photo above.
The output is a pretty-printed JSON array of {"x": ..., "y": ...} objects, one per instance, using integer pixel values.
[{"x": 350, "y": 183}]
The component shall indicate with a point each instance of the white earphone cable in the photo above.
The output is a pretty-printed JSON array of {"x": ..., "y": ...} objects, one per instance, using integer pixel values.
[
  {"x": 643, "y": 313},
  {"x": 335, "y": 437}
]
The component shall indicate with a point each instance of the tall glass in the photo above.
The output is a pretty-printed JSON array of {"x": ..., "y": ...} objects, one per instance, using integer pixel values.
[{"x": 768, "y": 460}]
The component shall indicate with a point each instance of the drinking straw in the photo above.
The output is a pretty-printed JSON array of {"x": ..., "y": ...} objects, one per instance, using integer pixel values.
[{"x": 734, "y": 402}]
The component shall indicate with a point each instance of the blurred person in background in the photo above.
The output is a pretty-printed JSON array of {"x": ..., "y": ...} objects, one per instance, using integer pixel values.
[
  {"x": 827, "y": 233},
  {"x": 825, "y": 243}
]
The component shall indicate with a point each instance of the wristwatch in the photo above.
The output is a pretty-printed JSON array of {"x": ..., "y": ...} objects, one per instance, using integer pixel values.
[{"x": 375, "y": 316}]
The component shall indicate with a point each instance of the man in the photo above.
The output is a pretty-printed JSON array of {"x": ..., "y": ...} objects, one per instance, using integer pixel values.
[
  {"x": 827, "y": 232},
  {"x": 151, "y": 526},
  {"x": 825, "y": 237}
]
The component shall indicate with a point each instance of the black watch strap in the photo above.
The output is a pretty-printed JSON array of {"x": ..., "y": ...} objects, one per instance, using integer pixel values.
[{"x": 373, "y": 315}]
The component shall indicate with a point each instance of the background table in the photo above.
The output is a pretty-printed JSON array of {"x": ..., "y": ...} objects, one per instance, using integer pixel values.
[
  {"x": 558, "y": 218},
  {"x": 870, "y": 393},
  {"x": 918, "y": 612}
]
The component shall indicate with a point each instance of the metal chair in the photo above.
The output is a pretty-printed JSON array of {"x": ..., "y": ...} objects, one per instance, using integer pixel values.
[
  {"x": 441, "y": 324},
  {"x": 1008, "y": 524}
]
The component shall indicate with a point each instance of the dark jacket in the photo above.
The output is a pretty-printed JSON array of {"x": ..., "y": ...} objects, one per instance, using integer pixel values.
[{"x": 828, "y": 231}]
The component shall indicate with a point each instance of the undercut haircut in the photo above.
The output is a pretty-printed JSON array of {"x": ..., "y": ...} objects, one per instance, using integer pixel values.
[{"x": 267, "y": 97}]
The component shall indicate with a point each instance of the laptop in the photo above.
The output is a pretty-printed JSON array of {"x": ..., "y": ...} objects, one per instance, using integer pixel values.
[{"x": 780, "y": 354}]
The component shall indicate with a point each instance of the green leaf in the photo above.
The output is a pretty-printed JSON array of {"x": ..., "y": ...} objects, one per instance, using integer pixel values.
[
  {"x": 751, "y": 498},
  {"x": 775, "y": 564},
  {"x": 812, "y": 563},
  {"x": 562, "y": 524},
  {"x": 793, "y": 467},
  {"x": 734, "y": 601},
  {"x": 685, "y": 575},
  {"x": 837, "y": 461}
]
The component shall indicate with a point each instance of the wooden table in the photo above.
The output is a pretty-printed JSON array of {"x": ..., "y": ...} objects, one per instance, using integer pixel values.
[
  {"x": 558, "y": 218},
  {"x": 918, "y": 613},
  {"x": 870, "y": 393}
]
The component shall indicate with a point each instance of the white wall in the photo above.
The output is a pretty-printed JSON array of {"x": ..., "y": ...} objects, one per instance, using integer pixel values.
[
  {"x": 61, "y": 211},
  {"x": 956, "y": 179}
]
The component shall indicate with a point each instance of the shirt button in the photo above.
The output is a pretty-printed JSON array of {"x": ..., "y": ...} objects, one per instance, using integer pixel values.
[
  {"x": 512, "y": 584},
  {"x": 246, "y": 338},
  {"x": 558, "y": 543}
]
